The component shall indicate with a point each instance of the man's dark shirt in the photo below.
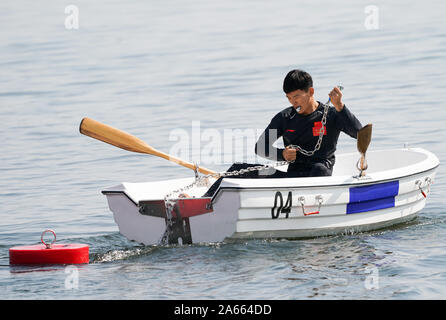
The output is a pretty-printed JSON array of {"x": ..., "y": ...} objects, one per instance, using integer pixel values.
[{"x": 303, "y": 130}]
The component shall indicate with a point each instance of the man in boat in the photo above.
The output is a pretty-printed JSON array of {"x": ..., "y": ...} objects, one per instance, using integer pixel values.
[{"x": 300, "y": 126}]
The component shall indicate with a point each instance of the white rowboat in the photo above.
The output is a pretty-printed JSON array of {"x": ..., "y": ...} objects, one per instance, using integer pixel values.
[{"x": 394, "y": 190}]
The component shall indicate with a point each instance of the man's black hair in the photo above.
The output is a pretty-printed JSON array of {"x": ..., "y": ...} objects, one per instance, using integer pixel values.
[{"x": 297, "y": 80}]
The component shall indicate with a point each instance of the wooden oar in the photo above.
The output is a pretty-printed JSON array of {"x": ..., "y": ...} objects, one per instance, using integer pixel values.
[
  {"x": 126, "y": 141},
  {"x": 364, "y": 138}
]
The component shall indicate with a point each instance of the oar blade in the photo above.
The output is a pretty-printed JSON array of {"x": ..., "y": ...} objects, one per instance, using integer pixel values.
[
  {"x": 364, "y": 138},
  {"x": 126, "y": 141},
  {"x": 113, "y": 136}
]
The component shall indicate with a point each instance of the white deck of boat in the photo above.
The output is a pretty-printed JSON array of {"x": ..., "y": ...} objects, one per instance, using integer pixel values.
[{"x": 382, "y": 165}]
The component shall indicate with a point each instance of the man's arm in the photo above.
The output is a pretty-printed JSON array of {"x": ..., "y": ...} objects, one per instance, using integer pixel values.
[
  {"x": 346, "y": 121},
  {"x": 264, "y": 145}
]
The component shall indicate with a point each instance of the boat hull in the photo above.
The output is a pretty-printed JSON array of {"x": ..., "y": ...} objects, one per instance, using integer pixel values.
[{"x": 284, "y": 208}]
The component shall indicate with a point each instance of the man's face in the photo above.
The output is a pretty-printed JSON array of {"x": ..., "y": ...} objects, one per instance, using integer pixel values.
[{"x": 299, "y": 98}]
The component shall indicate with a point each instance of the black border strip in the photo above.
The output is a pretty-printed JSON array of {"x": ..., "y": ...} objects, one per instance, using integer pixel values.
[{"x": 118, "y": 192}]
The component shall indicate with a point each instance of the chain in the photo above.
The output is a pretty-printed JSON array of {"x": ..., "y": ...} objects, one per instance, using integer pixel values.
[
  {"x": 319, "y": 140},
  {"x": 170, "y": 205},
  {"x": 204, "y": 180},
  {"x": 321, "y": 131}
]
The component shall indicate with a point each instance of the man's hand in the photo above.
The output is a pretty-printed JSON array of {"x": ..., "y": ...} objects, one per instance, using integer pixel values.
[
  {"x": 336, "y": 98},
  {"x": 289, "y": 154}
]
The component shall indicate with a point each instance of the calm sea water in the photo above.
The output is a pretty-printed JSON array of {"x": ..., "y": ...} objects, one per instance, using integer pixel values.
[{"x": 153, "y": 67}]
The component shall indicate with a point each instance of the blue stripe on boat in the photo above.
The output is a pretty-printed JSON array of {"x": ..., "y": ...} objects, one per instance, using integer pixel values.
[{"x": 373, "y": 197}]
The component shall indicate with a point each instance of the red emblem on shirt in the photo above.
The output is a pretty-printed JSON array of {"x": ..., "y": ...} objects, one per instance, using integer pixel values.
[
  {"x": 317, "y": 128},
  {"x": 289, "y": 130}
]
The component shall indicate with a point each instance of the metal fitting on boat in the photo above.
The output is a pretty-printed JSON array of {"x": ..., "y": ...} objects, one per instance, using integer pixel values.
[
  {"x": 427, "y": 183},
  {"x": 362, "y": 166},
  {"x": 319, "y": 199},
  {"x": 196, "y": 171}
]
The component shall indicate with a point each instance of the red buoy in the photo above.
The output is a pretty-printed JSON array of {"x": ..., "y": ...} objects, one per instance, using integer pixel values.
[{"x": 50, "y": 253}]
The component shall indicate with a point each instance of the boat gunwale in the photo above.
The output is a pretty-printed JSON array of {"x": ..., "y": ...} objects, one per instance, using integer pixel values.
[
  {"x": 338, "y": 181},
  {"x": 221, "y": 189},
  {"x": 359, "y": 182}
]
